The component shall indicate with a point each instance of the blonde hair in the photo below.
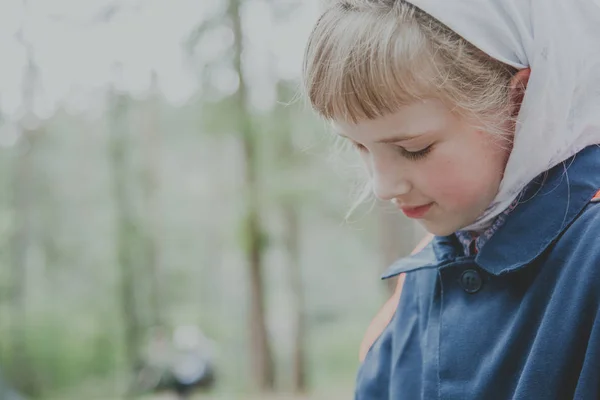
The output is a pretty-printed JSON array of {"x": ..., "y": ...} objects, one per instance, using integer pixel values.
[{"x": 367, "y": 58}]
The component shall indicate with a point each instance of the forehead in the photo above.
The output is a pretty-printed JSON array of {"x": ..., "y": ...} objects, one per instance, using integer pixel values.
[{"x": 411, "y": 120}]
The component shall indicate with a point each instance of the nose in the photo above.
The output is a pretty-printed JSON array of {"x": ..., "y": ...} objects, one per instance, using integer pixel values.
[{"x": 388, "y": 180}]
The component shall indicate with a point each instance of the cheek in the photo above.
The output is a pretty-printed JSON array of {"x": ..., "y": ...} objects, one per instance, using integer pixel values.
[
  {"x": 456, "y": 183},
  {"x": 454, "y": 190}
]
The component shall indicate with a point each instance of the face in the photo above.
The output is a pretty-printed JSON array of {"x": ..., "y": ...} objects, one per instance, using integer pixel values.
[{"x": 434, "y": 165}]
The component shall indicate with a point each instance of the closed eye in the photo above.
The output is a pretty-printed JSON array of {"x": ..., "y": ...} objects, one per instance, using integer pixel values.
[
  {"x": 411, "y": 155},
  {"x": 415, "y": 155}
]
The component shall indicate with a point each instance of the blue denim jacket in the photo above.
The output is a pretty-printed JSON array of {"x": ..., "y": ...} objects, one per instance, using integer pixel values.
[{"x": 518, "y": 320}]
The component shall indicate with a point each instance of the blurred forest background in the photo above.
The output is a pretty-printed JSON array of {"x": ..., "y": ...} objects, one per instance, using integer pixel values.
[{"x": 162, "y": 184}]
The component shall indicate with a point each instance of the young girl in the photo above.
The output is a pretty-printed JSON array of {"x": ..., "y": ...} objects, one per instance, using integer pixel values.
[{"x": 481, "y": 119}]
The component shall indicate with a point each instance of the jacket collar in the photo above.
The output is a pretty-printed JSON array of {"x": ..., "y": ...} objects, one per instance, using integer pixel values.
[{"x": 549, "y": 206}]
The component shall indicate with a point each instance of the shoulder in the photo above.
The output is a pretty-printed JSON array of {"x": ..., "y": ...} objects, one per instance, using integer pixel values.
[
  {"x": 576, "y": 254},
  {"x": 582, "y": 238}
]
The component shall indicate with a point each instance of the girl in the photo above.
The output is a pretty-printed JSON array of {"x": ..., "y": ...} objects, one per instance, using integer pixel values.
[{"x": 479, "y": 118}]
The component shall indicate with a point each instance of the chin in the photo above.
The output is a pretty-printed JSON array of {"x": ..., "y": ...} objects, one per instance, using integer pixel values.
[{"x": 439, "y": 229}]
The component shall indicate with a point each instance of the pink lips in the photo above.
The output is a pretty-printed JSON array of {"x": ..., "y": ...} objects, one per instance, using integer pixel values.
[{"x": 416, "y": 212}]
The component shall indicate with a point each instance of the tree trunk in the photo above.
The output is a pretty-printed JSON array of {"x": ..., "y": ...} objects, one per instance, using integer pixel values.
[
  {"x": 126, "y": 230},
  {"x": 261, "y": 354},
  {"x": 22, "y": 240},
  {"x": 292, "y": 242},
  {"x": 150, "y": 185},
  {"x": 23, "y": 234}
]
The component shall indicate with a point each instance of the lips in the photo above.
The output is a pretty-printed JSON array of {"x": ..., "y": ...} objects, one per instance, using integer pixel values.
[{"x": 416, "y": 212}]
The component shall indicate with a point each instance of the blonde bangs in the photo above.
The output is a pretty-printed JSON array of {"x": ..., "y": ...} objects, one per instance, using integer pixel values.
[{"x": 361, "y": 65}]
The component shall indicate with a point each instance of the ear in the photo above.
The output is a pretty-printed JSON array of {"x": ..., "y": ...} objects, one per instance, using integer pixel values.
[{"x": 518, "y": 85}]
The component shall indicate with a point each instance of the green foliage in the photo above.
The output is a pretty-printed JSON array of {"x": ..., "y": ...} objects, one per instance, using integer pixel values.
[
  {"x": 75, "y": 332},
  {"x": 220, "y": 117},
  {"x": 74, "y": 325},
  {"x": 59, "y": 358}
]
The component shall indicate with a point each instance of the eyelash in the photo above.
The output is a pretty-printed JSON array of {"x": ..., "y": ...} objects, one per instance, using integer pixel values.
[
  {"x": 416, "y": 155},
  {"x": 411, "y": 155}
]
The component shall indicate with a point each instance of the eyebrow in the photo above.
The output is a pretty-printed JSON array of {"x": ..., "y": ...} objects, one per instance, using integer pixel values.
[
  {"x": 400, "y": 138},
  {"x": 393, "y": 139}
]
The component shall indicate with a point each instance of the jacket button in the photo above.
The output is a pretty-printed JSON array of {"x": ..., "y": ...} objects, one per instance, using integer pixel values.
[{"x": 471, "y": 281}]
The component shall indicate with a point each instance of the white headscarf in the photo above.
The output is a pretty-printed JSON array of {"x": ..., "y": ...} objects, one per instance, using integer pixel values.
[{"x": 560, "y": 41}]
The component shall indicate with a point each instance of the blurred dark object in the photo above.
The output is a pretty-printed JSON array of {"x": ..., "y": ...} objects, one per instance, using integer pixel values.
[
  {"x": 183, "y": 363},
  {"x": 191, "y": 371}
]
